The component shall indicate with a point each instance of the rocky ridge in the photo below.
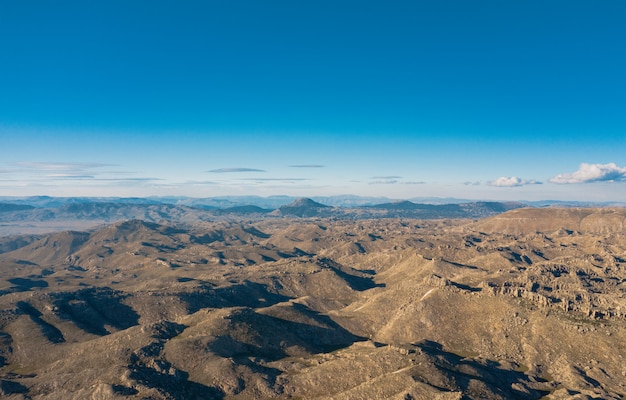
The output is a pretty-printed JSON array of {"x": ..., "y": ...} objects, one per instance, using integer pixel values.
[{"x": 319, "y": 308}]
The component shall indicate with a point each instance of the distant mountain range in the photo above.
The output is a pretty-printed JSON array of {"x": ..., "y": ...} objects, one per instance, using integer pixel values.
[
  {"x": 8, "y": 207},
  {"x": 33, "y": 215},
  {"x": 269, "y": 203},
  {"x": 46, "y": 214}
]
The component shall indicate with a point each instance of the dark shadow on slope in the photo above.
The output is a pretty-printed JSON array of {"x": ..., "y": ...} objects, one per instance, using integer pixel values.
[
  {"x": 357, "y": 280},
  {"x": 360, "y": 248},
  {"x": 94, "y": 308},
  {"x": 519, "y": 258},
  {"x": 207, "y": 238},
  {"x": 10, "y": 387},
  {"x": 256, "y": 335},
  {"x": 26, "y": 262},
  {"x": 268, "y": 374},
  {"x": 166, "y": 330},
  {"x": 11, "y": 243},
  {"x": 265, "y": 258},
  {"x": 456, "y": 264},
  {"x": 295, "y": 253},
  {"x": 5, "y": 347},
  {"x": 246, "y": 294},
  {"x": 149, "y": 367},
  {"x": 252, "y": 339},
  {"x": 465, "y": 287},
  {"x": 123, "y": 390},
  {"x": 51, "y": 333},
  {"x": 588, "y": 380},
  {"x": 255, "y": 232},
  {"x": 25, "y": 284},
  {"x": 477, "y": 378}
]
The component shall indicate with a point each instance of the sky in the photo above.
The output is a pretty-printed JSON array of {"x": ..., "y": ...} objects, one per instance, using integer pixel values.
[{"x": 494, "y": 100}]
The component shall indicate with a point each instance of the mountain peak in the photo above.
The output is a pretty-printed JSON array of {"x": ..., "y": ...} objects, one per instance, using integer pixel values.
[
  {"x": 305, "y": 202},
  {"x": 304, "y": 207}
]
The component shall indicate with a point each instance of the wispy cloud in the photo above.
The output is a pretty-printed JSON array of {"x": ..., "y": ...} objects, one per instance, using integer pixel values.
[
  {"x": 470, "y": 183},
  {"x": 512, "y": 181},
  {"x": 392, "y": 180},
  {"x": 69, "y": 176},
  {"x": 307, "y": 166},
  {"x": 228, "y": 170},
  {"x": 33, "y": 171},
  {"x": 128, "y": 179},
  {"x": 198, "y": 183},
  {"x": 94, "y": 179},
  {"x": 274, "y": 179},
  {"x": 587, "y": 173},
  {"x": 61, "y": 166}
]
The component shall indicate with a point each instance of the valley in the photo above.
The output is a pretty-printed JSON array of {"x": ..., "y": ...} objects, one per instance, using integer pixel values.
[{"x": 528, "y": 303}]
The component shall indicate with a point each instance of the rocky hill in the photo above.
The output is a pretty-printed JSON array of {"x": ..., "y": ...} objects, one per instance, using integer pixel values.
[
  {"x": 319, "y": 308},
  {"x": 304, "y": 208},
  {"x": 548, "y": 220}
]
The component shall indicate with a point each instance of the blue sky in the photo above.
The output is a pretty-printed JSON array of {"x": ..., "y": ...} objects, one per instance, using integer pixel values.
[{"x": 517, "y": 100}]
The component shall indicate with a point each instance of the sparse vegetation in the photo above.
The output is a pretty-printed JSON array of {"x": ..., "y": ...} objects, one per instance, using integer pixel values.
[{"x": 292, "y": 308}]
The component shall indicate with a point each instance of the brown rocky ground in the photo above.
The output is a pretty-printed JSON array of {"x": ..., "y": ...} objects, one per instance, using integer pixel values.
[{"x": 528, "y": 304}]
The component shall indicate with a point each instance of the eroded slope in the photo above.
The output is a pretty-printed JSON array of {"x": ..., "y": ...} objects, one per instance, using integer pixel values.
[{"x": 318, "y": 308}]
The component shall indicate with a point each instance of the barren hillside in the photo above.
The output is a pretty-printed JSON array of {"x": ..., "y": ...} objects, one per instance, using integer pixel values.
[{"x": 528, "y": 304}]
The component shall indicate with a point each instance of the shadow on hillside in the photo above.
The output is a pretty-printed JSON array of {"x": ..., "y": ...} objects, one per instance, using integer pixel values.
[
  {"x": 254, "y": 339},
  {"x": 465, "y": 287},
  {"x": 357, "y": 280},
  {"x": 23, "y": 285},
  {"x": 149, "y": 367},
  {"x": 28, "y": 283},
  {"x": 51, "y": 333},
  {"x": 94, "y": 309},
  {"x": 255, "y": 232},
  {"x": 478, "y": 378},
  {"x": 9, "y": 387},
  {"x": 246, "y": 294},
  {"x": 271, "y": 338}
]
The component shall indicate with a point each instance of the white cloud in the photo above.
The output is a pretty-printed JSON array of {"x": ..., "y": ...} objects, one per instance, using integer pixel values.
[
  {"x": 227, "y": 170},
  {"x": 197, "y": 183},
  {"x": 592, "y": 173},
  {"x": 69, "y": 176},
  {"x": 128, "y": 179},
  {"x": 512, "y": 181},
  {"x": 274, "y": 179},
  {"x": 58, "y": 166}
]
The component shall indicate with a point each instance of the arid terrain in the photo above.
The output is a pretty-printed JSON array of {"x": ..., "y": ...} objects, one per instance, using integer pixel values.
[{"x": 526, "y": 304}]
